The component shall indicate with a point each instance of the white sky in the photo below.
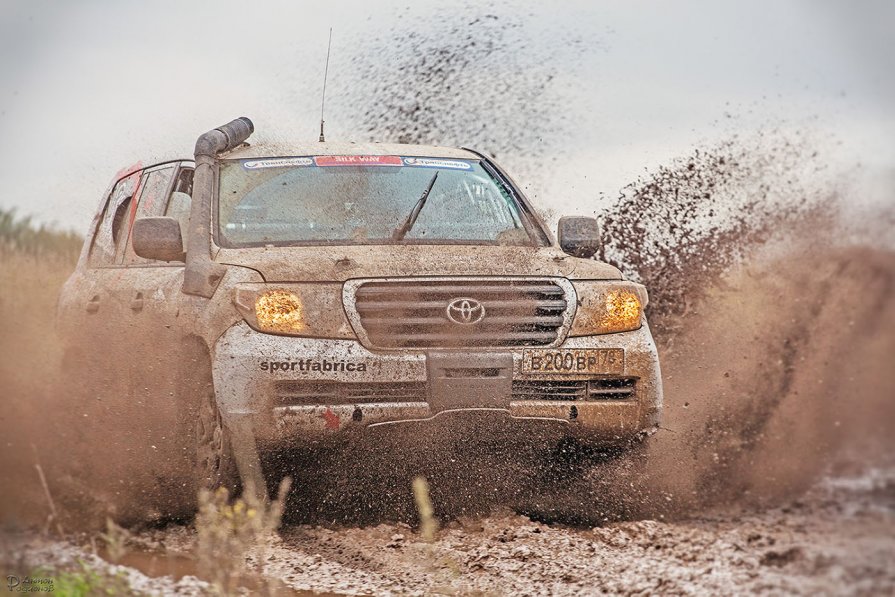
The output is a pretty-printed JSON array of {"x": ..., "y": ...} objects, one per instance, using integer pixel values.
[{"x": 90, "y": 87}]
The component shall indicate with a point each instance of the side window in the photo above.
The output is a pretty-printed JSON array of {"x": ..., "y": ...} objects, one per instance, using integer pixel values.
[
  {"x": 179, "y": 204},
  {"x": 153, "y": 198},
  {"x": 112, "y": 226},
  {"x": 184, "y": 182}
]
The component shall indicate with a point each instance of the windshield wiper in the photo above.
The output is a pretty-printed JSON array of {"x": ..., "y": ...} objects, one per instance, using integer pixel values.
[{"x": 402, "y": 230}]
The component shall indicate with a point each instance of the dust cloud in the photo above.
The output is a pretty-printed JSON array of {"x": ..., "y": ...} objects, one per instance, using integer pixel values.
[{"x": 781, "y": 373}]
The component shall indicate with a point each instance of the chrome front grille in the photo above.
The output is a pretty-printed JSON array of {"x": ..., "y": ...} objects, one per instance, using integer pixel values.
[{"x": 429, "y": 313}]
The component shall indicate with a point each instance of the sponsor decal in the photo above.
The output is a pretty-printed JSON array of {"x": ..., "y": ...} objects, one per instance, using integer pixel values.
[
  {"x": 435, "y": 163},
  {"x": 277, "y": 163},
  {"x": 358, "y": 160},
  {"x": 330, "y": 419},
  {"x": 306, "y": 365}
]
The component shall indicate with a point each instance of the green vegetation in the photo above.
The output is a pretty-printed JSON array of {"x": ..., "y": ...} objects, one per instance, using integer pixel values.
[{"x": 79, "y": 581}]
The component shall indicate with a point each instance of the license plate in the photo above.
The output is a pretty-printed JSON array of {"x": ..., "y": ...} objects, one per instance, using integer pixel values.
[{"x": 576, "y": 361}]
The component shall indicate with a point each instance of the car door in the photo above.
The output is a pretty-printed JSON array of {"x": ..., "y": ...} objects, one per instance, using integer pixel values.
[
  {"x": 120, "y": 308},
  {"x": 144, "y": 301},
  {"x": 87, "y": 306},
  {"x": 146, "y": 293}
]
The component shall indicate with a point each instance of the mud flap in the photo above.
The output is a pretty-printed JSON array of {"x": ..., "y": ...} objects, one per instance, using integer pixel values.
[{"x": 469, "y": 380}]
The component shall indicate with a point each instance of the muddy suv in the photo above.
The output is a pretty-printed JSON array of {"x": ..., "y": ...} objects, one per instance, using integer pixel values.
[{"x": 279, "y": 295}]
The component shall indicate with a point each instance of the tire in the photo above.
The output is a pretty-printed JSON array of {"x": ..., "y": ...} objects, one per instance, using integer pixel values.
[{"x": 215, "y": 466}]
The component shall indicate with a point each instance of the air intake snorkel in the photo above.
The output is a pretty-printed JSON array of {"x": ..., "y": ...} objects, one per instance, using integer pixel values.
[{"x": 202, "y": 275}]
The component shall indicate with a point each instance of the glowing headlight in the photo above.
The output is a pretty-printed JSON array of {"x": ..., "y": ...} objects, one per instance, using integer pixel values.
[
  {"x": 307, "y": 309},
  {"x": 605, "y": 308},
  {"x": 279, "y": 311}
]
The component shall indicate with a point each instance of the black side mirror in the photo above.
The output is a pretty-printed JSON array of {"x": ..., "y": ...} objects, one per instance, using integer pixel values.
[
  {"x": 158, "y": 238},
  {"x": 580, "y": 236}
]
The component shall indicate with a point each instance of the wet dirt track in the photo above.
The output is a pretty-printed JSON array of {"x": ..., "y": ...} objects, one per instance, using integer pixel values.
[
  {"x": 839, "y": 538},
  {"x": 836, "y": 539}
]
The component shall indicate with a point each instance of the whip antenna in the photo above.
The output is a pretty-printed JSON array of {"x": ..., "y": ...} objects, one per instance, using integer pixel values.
[{"x": 325, "y": 72}]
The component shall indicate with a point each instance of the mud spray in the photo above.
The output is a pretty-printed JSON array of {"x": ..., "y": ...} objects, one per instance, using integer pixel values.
[
  {"x": 771, "y": 301},
  {"x": 776, "y": 328}
]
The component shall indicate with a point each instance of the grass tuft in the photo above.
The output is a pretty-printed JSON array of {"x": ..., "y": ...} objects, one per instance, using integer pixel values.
[
  {"x": 428, "y": 523},
  {"x": 228, "y": 530}
]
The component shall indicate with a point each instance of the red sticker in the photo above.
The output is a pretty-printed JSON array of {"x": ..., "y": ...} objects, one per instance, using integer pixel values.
[
  {"x": 331, "y": 419},
  {"x": 358, "y": 160}
]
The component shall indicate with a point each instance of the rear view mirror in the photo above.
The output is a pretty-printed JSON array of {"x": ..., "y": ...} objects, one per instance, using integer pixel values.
[
  {"x": 158, "y": 239},
  {"x": 580, "y": 236}
]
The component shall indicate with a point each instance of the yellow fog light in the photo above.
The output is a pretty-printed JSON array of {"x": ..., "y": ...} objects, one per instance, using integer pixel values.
[
  {"x": 607, "y": 308},
  {"x": 279, "y": 311}
]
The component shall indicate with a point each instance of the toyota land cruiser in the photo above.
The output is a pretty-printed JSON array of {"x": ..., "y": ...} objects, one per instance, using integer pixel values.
[{"x": 272, "y": 295}]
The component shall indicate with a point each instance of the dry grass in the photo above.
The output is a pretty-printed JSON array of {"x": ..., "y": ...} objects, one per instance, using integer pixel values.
[
  {"x": 229, "y": 530},
  {"x": 428, "y": 522},
  {"x": 22, "y": 235},
  {"x": 34, "y": 263}
]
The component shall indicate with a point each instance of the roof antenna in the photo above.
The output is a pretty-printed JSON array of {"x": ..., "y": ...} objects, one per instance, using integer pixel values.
[{"x": 325, "y": 72}]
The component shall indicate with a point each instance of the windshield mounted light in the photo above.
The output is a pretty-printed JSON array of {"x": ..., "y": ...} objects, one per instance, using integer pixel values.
[{"x": 606, "y": 308}]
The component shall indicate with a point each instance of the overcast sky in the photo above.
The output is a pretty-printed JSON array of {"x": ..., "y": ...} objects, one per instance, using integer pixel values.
[{"x": 90, "y": 87}]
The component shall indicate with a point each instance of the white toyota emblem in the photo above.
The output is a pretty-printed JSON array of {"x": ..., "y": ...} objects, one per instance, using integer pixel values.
[{"x": 465, "y": 311}]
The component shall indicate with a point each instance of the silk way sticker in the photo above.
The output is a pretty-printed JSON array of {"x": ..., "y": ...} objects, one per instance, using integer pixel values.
[
  {"x": 277, "y": 163},
  {"x": 433, "y": 163},
  {"x": 357, "y": 160}
]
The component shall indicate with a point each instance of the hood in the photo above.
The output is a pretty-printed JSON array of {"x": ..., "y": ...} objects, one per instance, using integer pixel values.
[{"x": 340, "y": 263}]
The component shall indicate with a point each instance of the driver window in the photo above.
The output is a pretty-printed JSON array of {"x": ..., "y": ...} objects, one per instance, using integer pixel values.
[{"x": 153, "y": 198}]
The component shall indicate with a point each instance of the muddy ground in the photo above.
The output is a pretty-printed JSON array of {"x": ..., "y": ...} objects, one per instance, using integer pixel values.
[{"x": 835, "y": 539}]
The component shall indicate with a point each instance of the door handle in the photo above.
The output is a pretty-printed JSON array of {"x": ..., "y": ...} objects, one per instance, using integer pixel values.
[
  {"x": 93, "y": 304},
  {"x": 137, "y": 302}
]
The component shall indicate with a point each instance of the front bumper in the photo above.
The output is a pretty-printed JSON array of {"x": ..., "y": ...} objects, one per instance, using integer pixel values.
[{"x": 250, "y": 368}]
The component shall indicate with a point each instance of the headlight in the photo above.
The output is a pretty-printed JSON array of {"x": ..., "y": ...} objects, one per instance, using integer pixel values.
[
  {"x": 607, "y": 307},
  {"x": 279, "y": 311},
  {"x": 312, "y": 310}
]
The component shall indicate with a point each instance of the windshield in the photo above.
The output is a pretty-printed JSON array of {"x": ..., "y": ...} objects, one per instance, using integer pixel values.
[{"x": 357, "y": 199}]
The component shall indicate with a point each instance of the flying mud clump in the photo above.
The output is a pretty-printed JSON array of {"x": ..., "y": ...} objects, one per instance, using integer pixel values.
[
  {"x": 474, "y": 80},
  {"x": 683, "y": 226}
]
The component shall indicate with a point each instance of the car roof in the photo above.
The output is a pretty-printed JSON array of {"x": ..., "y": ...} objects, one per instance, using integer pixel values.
[{"x": 266, "y": 150}]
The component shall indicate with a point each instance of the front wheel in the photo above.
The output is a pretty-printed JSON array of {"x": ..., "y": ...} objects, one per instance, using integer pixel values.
[{"x": 215, "y": 465}]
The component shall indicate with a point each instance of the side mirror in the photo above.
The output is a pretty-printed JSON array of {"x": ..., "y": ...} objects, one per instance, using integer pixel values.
[
  {"x": 579, "y": 236},
  {"x": 158, "y": 239}
]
